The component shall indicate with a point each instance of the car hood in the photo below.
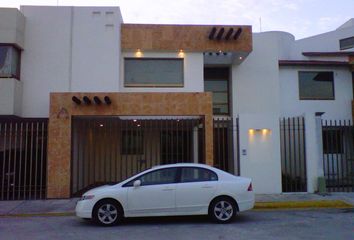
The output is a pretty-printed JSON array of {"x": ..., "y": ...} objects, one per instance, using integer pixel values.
[{"x": 98, "y": 189}]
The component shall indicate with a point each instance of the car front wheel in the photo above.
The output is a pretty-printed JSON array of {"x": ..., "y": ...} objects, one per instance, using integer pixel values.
[
  {"x": 107, "y": 213},
  {"x": 222, "y": 210}
]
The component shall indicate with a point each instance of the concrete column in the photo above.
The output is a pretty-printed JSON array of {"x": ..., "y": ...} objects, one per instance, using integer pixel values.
[
  {"x": 260, "y": 151},
  {"x": 314, "y": 167}
]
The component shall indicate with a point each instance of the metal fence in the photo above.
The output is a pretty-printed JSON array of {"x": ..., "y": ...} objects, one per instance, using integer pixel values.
[
  {"x": 293, "y": 156},
  {"x": 111, "y": 149},
  {"x": 338, "y": 155},
  {"x": 226, "y": 147},
  {"x": 23, "y": 159}
]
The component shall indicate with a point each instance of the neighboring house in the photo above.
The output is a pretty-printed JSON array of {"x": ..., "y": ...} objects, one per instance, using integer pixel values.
[{"x": 123, "y": 97}]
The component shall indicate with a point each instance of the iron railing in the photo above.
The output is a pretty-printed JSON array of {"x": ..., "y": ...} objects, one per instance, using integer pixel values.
[
  {"x": 293, "y": 155},
  {"x": 111, "y": 149},
  {"x": 226, "y": 145},
  {"x": 23, "y": 159},
  {"x": 338, "y": 155}
]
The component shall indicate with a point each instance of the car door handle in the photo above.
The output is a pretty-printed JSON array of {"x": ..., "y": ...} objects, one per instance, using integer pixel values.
[
  {"x": 168, "y": 189},
  {"x": 207, "y": 186}
]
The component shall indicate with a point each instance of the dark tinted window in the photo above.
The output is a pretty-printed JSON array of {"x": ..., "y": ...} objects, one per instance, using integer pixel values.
[
  {"x": 163, "y": 176},
  {"x": 10, "y": 62},
  {"x": 316, "y": 85},
  {"x": 132, "y": 142},
  {"x": 216, "y": 80},
  {"x": 192, "y": 174},
  {"x": 150, "y": 72},
  {"x": 346, "y": 43}
]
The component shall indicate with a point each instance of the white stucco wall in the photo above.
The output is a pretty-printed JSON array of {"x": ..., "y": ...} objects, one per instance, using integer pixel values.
[
  {"x": 68, "y": 49},
  {"x": 338, "y": 109},
  {"x": 95, "y": 49},
  {"x": 326, "y": 42},
  {"x": 193, "y": 72},
  {"x": 10, "y": 96},
  {"x": 12, "y": 25},
  {"x": 256, "y": 101}
]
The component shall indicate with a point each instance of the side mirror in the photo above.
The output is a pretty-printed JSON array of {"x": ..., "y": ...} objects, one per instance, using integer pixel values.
[{"x": 137, "y": 183}]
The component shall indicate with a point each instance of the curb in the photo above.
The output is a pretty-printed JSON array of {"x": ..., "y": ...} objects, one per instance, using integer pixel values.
[
  {"x": 288, "y": 205},
  {"x": 51, "y": 214},
  {"x": 302, "y": 204}
]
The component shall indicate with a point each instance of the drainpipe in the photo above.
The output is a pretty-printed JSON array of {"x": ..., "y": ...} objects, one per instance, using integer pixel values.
[{"x": 195, "y": 145}]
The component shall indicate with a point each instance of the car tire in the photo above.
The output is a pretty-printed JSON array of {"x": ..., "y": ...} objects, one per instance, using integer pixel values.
[
  {"x": 107, "y": 213},
  {"x": 222, "y": 210}
]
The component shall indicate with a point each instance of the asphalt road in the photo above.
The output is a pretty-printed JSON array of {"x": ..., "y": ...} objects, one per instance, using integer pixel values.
[{"x": 310, "y": 224}]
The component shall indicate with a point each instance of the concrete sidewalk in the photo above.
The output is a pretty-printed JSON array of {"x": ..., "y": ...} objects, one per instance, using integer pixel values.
[{"x": 59, "y": 207}]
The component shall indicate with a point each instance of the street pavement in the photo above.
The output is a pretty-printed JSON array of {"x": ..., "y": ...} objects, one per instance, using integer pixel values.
[
  {"x": 321, "y": 224},
  {"x": 68, "y": 205}
]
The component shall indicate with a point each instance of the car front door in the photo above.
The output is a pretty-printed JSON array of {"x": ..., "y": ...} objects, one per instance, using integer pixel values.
[
  {"x": 155, "y": 196},
  {"x": 195, "y": 190}
]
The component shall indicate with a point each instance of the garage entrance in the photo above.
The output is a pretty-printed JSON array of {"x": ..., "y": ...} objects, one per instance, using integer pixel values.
[{"x": 113, "y": 148}]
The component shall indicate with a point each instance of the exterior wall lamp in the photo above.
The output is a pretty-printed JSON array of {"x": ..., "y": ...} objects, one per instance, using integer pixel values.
[{"x": 262, "y": 131}]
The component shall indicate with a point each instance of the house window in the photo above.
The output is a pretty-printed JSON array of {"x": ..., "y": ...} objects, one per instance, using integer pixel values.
[
  {"x": 216, "y": 80},
  {"x": 332, "y": 141},
  {"x": 316, "y": 85},
  {"x": 132, "y": 142},
  {"x": 153, "y": 72},
  {"x": 346, "y": 43},
  {"x": 9, "y": 62}
]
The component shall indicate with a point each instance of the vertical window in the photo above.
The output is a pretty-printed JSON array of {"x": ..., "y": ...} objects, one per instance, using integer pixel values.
[
  {"x": 132, "y": 142},
  {"x": 216, "y": 80},
  {"x": 316, "y": 85},
  {"x": 9, "y": 62},
  {"x": 346, "y": 43},
  {"x": 153, "y": 72}
]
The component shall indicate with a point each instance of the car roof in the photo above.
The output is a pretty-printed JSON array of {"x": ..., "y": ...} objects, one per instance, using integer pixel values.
[{"x": 182, "y": 165}]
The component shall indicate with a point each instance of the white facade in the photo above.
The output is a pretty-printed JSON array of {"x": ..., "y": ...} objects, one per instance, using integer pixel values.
[
  {"x": 77, "y": 49},
  {"x": 68, "y": 49}
]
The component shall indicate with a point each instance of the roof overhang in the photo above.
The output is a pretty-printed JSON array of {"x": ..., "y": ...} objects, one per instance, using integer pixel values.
[
  {"x": 312, "y": 63},
  {"x": 328, "y": 54}
]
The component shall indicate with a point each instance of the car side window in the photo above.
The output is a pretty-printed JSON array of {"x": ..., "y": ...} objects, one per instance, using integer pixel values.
[
  {"x": 162, "y": 176},
  {"x": 193, "y": 174}
]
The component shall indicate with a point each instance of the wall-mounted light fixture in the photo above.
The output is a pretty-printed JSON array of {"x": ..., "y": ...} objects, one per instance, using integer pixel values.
[
  {"x": 181, "y": 53},
  {"x": 138, "y": 53},
  {"x": 262, "y": 131}
]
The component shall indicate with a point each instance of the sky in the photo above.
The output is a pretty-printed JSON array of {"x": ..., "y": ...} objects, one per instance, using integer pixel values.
[{"x": 302, "y": 18}]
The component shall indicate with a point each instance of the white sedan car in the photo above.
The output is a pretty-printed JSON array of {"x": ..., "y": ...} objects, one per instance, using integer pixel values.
[{"x": 169, "y": 190}]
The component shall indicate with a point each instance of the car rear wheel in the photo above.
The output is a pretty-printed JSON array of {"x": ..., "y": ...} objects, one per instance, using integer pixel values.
[
  {"x": 107, "y": 213},
  {"x": 222, "y": 210}
]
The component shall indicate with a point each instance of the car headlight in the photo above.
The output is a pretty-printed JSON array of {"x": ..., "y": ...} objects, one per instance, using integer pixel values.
[{"x": 86, "y": 197}]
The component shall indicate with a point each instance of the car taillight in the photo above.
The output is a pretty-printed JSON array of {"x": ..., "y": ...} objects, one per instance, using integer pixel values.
[{"x": 250, "y": 187}]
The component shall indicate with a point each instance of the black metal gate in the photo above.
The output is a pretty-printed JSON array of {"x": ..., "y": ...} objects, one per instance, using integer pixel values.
[
  {"x": 338, "y": 155},
  {"x": 111, "y": 149},
  {"x": 226, "y": 147},
  {"x": 293, "y": 155},
  {"x": 23, "y": 159}
]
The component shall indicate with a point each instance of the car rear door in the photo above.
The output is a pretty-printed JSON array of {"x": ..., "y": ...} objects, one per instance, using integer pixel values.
[
  {"x": 156, "y": 195},
  {"x": 195, "y": 190}
]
